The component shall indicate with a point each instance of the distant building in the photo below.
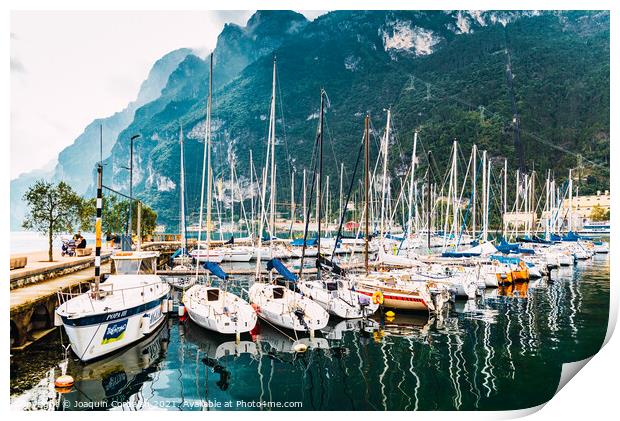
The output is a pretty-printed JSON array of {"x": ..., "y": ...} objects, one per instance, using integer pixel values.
[
  {"x": 520, "y": 220},
  {"x": 583, "y": 205}
]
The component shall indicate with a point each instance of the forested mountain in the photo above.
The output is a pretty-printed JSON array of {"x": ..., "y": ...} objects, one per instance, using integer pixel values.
[{"x": 442, "y": 73}]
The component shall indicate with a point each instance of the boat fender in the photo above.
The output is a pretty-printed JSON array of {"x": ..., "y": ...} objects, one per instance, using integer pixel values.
[
  {"x": 64, "y": 383},
  {"x": 390, "y": 314},
  {"x": 181, "y": 310},
  {"x": 164, "y": 305},
  {"x": 145, "y": 324},
  {"x": 300, "y": 348},
  {"x": 377, "y": 297},
  {"x": 170, "y": 306}
]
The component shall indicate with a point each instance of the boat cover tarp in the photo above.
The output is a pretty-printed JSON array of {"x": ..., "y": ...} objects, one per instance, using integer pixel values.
[
  {"x": 459, "y": 254},
  {"x": 300, "y": 242},
  {"x": 506, "y": 260},
  {"x": 215, "y": 269},
  {"x": 282, "y": 270},
  {"x": 329, "y": 265}
]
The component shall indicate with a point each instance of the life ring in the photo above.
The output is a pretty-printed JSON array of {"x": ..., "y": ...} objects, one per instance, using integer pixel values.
[{"x": 377, "y": 297}]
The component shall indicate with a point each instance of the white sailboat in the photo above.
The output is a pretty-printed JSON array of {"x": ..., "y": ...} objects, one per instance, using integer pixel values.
[
  {"x": 214, "y": 308},
  {"x": 274, "y": 303}
]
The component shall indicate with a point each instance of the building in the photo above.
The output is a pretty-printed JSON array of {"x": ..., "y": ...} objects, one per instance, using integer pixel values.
[{"x": 583, "y": 205}]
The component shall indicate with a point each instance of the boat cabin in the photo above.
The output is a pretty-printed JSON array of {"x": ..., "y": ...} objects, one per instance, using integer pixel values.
[
  {"x": 134, "y": 262},
  {"x": 278, "y": 292}
]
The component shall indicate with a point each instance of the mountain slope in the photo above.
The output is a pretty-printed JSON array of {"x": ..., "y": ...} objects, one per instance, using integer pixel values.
[{"x": 441, "y": 72}]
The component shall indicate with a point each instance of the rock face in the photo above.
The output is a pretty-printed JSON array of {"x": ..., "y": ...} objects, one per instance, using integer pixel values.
[{"x": 443, "y": 73}]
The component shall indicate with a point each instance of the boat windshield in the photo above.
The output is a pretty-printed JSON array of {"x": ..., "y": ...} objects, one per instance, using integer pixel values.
[
  {"x": 134, "y": 266},
  {"x": 278, "y": 293}
]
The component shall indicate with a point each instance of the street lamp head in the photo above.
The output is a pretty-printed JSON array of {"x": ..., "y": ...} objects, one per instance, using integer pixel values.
[{"x": 135, "y": 136}]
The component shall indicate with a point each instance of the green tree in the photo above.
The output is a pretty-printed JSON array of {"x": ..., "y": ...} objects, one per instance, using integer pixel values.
[
  {"x": 599, "y": 214},
  {"x": 115, "y": 216},
  {"x": 52, "y": 209}
]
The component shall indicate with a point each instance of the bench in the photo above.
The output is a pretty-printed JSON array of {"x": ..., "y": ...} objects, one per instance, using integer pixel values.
[
  {"x": 86, "y": 251},
  {"x": 18, "y": 262}
]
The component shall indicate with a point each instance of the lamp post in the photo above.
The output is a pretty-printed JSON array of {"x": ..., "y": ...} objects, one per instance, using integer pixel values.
[{"x": 129, "y": 229}]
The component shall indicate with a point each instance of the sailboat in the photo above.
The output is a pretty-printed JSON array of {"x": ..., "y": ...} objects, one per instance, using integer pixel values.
[
  {"x": 333, "y": 292},
  {"x": 125, "y": 308},
  {"x": 211, "y": 307},
  {"x": 394, "y": 289},
  {"x": 274, "y": 303}
]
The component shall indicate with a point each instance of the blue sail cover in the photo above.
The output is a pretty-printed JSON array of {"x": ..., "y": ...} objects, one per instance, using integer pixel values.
[
  {"x": 299, "y": 242},
  {"x": 506, "y": 260},
  {"x": 282, "y": 270},
  {"x": 457, "y": 254},
  {"x": 215, "y": 269}
]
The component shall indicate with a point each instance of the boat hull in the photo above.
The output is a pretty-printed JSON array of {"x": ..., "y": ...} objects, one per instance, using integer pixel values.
[{"x": 93, "y": 341}]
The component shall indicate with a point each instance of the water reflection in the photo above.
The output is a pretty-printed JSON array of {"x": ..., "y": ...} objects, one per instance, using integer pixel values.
[{"x": 501, "y": 351}]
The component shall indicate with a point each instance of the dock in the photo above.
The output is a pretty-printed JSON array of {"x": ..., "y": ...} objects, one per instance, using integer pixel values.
[{"x": 33, "y": 295}]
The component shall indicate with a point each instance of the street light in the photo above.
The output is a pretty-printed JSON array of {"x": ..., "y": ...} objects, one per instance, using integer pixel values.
[{"x": 129, "y": 229}]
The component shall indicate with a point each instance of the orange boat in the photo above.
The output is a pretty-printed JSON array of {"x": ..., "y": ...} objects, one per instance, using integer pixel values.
[{"x": 521, "y": 274}]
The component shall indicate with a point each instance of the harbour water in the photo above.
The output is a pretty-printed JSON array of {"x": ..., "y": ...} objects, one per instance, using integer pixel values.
[{"x": 503, "y": 351}]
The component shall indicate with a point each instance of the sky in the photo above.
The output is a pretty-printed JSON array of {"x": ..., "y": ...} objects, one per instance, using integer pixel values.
[{"x": 70, "y": 67}]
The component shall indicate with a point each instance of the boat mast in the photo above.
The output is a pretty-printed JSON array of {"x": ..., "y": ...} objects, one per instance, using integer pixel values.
[
  {"x": 505, "y": 196},
  {"x": 570, "y": 200},
  {"x": 366, "y": 189},
  {"x": 428, "y": 200},
  {"x": 209, "y": 171},
  {"x": 292, "y": 200},
  {"x": 320, "y": 181},
  {"x": 385, "y": 160},
  {"x": 340, "y": 201},
  {"x": 251, "y": 194},
  {"x": 411, "y": 182},
  {"x": 182, "y": 191},
  {"x": 474, "y": 153},
  {"x": 484, "y": 196},
  {"x": 272, "y": 134},
  {"x": 204, "y": 162},
  {"x": 304, "y": 204},
  {"x": 232, "y": 195}
]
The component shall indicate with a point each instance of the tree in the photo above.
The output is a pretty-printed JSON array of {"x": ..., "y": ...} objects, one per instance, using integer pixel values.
[
  {"x": 599, "y": 214},
  {"x": 115, "y": 216},
  {"x": 52, "y": 209}
]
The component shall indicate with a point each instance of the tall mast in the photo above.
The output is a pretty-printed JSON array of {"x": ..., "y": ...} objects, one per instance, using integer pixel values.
[
  {"x": 366, "y": 190},
  {"x": 570, "y": 199},
  {"x": 411, "y": 182},
  {"x": 251, "y": 194},
  {"x": 340, "y": 201},
  {"x": 505, "y": 210},
  {"x": 292, "y": 199},
  {"x": 232, "y": 195},
  {"x": 318, "y": 245},
  {"x": 484, "y": 195},
  {"x": 182, "y": 198},
  {"x": 209, "y": 171},
  {"x": 206, "y": 148},
  {"x": 487, "y": 201},
  {"x": 384, "y": 181},
  {"x": 428, "y": 200},
  {"x": 474, "y": 153},
  {"x": 304, "y": 204},
  {"x": 273, "y": 157}
]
